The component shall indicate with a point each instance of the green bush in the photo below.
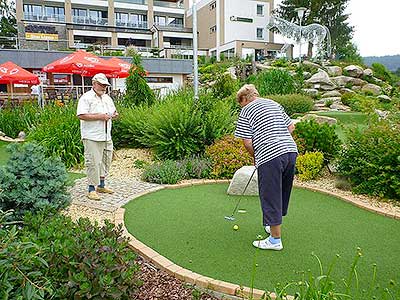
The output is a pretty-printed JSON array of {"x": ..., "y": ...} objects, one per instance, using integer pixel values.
[
  {"x": 312, "y": 137},
  {"x": 66, "y": 260},
  {"x": 371, "y": 160},
  {"x": 294, "y": 103},
  {"x": 22, "y": 118},
  {"x": 197, "y": 167},
  {"x": 224, "y": 86},
  {"x": 274, "y": 82},
  {"x": 59, "y": 133},
  {"x": 381, "y": 72},
  {"x": 228, "y": 155},
  {"x": 137, "y": 89},
  {"x": 309, "y": 165},
  {"x": 30, "y": 181}
]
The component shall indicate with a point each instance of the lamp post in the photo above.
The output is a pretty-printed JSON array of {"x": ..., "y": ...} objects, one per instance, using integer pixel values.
[
  {"x": 300, "y": 13},
  {"x": 195, "y": 62}
]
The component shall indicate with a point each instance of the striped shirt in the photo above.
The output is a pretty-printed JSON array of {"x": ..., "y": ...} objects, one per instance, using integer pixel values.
[{"x": 265, "y": 122}]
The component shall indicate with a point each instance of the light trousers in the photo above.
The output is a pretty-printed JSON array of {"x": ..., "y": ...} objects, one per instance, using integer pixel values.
[{"x": 98, "y": 157}]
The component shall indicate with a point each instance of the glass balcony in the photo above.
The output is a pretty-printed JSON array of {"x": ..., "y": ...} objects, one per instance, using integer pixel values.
[
  {"x": 178, "y": 4},
  {"x": 170, "y": 25},
  {"x": 143, "y": 2},
  {"x": 51, "y": 18},
  {"x": 127, "y": 24},
  {"x": 89, "y": 20}
]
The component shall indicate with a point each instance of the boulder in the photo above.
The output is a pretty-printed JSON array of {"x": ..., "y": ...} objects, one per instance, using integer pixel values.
[
  {"x": 319, "y": 119},
  {"x": 347, "y": 91},
  {"x": 372, "y": 88},
  {"x": 382, "y": 113},
  {"x": 356, "y": 88},
  {"x": 340, "y": 107},
  {"x": 334, "y": 71},
  {"x": 240, "y": 180},
  {"x": 368, "y": 72},
  {"x": 21, "y": 135},
  {"x": 2, "y": 133},
  {"x": 320, "y": 78},
  {"x": 329, "y": 99},
  {"x": 343, "y": 80},
  {"x": 331, "y": 94},
  {"x": 307, "y": 75},
  {"x": 311, "y": 64},
  {"x": 384, "y": 98},
  {"x": 311, "y": 92},
  {"x": 354, "y": 71}
]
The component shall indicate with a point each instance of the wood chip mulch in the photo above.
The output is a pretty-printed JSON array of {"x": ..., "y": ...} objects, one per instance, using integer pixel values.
[{"x": 159, "y": 285}]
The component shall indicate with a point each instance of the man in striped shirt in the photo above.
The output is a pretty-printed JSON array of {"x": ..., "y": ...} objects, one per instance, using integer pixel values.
[{"x": 266, "y": 132}]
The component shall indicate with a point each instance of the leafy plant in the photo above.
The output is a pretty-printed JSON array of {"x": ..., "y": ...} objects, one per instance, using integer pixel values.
[
  {"x": 274, "y": 82},
  {"x": 224, "y": 86},
  {"x": 311, "y": 137},
  {"x": 294, "y": 103},
  {"x": 16, "y": 119},
  {"x": 381, "y": 72},
  {"x": 166, "y": 172},
  {"x": 228, "y": 155},
  {"x": 309, "y": 165},
  {"x": 31, "y": 181}
]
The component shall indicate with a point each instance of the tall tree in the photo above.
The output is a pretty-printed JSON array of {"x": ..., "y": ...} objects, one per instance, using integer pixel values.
[
  {"x": 325, "y": 12},
  {"x": 8, "y": 24}
]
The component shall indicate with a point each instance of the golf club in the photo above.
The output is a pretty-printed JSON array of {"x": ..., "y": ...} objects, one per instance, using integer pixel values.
[{"x": 231, "y": 217}]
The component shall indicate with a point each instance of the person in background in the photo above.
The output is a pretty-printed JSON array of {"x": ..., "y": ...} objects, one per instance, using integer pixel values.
[
  {"x": 96, "y": 110},
  {"x": 266, "y": 132}
]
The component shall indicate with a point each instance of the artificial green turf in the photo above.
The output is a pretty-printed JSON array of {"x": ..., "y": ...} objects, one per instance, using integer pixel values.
[{"x": 187, "y": 225}]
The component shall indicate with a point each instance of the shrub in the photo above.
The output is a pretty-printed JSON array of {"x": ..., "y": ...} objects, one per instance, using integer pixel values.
[
  {"x": 31, "y": 181},
  {"x": 312, "y": 137},
  {"x": 71, "y": 260},
  {"x": 14, "y": 120},
  {"x": 309, "y": 165},
  {"x": 228, "y": 155},
  {"x": 273, "y": 82},
  {"x": 197, "y": 167},
  {"x": 166, "y": 172},
  {"x": 371, "y": 160},
  {"x": 294, "y": 103},
  {"x": 224, "y": 86},
  {"x": 137, "y": 89},
  {"x": 381, "y": 72},
  {"x": 59, "y": 133}
]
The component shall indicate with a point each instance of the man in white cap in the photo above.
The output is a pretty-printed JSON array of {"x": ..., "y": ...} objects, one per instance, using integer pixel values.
[{"x": 96, "y": 110}]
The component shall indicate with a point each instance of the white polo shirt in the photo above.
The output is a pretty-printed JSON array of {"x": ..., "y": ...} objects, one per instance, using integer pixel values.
[{"x": 91, "y": 103}]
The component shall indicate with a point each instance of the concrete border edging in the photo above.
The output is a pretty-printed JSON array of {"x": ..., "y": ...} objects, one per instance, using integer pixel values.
[{"x": 205, "y": 282}]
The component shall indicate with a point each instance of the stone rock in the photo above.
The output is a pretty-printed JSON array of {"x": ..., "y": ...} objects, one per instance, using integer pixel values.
[
  {"x": 384, "y": 98},
  {"x": 354, "y": 71},
  {"x": 331, "y": 94},
  {"x": 311, "y": 92},
  {"x": 368, "y": 72},
  {"x": 321, "y": 78},
  {"x": 21, "y": 135},
  {"x": 334, "y": 71},
  {"x": 340, "y": 107},
  {"x": 319, "y": 119},
  {"x": 2, "y": 133},
  {"x": 307, "y": 75},
  {"x": 356, "y": 88},
  {"x": 372, "y": 88},
  {"x": 240, "y": 180},
  {"x": 347, "y": 91},
  {"x": 263, "y": 67},
  {"x": 311, "y": 64},
  {"x": 343, "y": 80},
  {"x": 232, "y": 72},
  {"x": 382, "y": 113},
  {"x": 320, "y": 107}
]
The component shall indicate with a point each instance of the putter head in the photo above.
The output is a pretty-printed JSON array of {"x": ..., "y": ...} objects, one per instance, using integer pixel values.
[{"x": 230, "y": 218}]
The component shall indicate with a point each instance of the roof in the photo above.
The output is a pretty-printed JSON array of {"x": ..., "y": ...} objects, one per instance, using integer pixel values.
[{"x": 36, "y": 59}]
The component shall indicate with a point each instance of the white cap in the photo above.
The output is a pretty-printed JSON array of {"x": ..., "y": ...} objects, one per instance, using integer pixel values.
[{"x": 101, "y": 78}]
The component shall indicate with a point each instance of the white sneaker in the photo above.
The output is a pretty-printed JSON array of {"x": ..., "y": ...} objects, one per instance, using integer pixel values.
[
  {"x": 267, "y": 245},
  {"x": 267, "y": 229}
]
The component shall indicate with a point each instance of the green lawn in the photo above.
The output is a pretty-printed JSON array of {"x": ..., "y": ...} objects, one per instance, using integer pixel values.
[
  {"x": 4, "y": 155},
  {"x": 187, "y": 226},
  {"x": 346, "y": 119}
]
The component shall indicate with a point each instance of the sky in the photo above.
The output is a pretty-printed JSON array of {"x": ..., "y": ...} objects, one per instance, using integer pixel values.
[{"x": 375, "y": 26}]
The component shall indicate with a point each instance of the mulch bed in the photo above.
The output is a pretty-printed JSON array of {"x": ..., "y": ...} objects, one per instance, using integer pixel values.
[{"x": 159, "y": 285}]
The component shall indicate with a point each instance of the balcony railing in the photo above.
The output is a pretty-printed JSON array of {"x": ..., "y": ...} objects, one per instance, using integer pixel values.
[
  {"x": 127, "y": 24},
  {"x": 89, "y": 20},
  {"x": 178, "y": 4},
  {"x": 143, "y": 2},
  {"x": 170, "y": 25},
  {"x": 51, "y": 18}
]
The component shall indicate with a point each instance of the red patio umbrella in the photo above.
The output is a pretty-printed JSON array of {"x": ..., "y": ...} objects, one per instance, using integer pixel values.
[
  {"x": 11, "y": 73},
  {"x": 82, "y": 63},
  {"x": 123, "y": 72}
]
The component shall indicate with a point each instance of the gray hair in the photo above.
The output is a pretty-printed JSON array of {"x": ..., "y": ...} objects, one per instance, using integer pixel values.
[{"x": 248, "y": 91}]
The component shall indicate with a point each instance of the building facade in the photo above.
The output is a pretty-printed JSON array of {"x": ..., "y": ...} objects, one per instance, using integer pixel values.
[
  {"x": 106, "y": 24},
  {"x": 236, "y": 28}
]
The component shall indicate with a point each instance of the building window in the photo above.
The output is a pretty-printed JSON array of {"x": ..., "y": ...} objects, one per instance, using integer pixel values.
[
  {"x": 213, "y": 29},
  {"x": 53, "y": 13},
  {"x": 32, "y": 12},
  {"x": 260, "y": 10},
  {"x": 213, "y": 5},
  {"x": 160, "y": 20},
  {"x": 79, "y": 12},
  {"x": 138, "y": 21},
  {"x": 121, "y": 19},
  {"x": 159, "y": 79},
  {"x": 260, "y": 33}
]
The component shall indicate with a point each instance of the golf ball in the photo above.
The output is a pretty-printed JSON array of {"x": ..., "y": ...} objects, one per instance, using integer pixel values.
[{"x": 235, "y": 227}]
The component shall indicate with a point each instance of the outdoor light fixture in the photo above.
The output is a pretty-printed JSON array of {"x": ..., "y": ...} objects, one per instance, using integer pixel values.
[{"x": 300, "y": 13}]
